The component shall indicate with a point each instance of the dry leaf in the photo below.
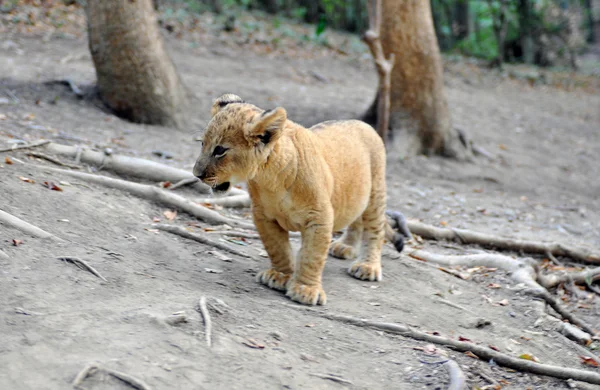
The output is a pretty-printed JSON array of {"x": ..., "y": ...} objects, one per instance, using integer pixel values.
[
  {"x": 26, "y": 179},
  {"x": 589, "y": 361},
  {"x": 152, "y": 230},
  {"x": 309, "y": 325},
  {"x": 50, "y": 185},
  {"x": 494, "y": 348},
  {"x": 170, "y": 214},
  {"x": 155, "y": 219},
  {"x": 503, "y": 302},
  {"x": 16, "y": 242},
  {"x": 29, "y": 117},
  {"x": 493, "y": 285},
  {"x": 460, "y": 338},
  {"x": 253, "y": 344},
  {"x": 8, "y": 161},
  {"x": 502, "y": 146},
  {"x": 166, "y": 184},
  {"x": 528, "y": 356},
  {"x": 471, "y": 354}
]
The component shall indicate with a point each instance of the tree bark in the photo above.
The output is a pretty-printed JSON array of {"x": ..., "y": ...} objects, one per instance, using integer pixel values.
[
  {"x": 136, "y": 78},
  {"x": 418, "y": 105},
  {"x": 525, "y": 25},
  {"x": 461, "y": 9}
]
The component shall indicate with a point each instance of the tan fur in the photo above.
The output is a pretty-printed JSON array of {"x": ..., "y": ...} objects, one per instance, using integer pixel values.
[{"x": 315, "y": 181}]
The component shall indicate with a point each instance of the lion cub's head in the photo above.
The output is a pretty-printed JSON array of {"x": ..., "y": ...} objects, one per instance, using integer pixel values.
[{"x": 237, "y": 141}]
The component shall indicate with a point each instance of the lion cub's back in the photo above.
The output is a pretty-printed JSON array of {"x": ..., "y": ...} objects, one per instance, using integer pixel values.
[{"x": 349, "y": 136}]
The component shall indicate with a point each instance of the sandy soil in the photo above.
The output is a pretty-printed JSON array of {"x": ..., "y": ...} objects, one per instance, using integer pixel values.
[{"x": 56, "y": 318}]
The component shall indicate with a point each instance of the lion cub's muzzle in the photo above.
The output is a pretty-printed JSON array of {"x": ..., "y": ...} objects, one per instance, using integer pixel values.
[{"x": 201, "y": 172}]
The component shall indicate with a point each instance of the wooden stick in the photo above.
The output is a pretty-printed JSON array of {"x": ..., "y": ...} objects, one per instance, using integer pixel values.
[
  {"x": 483, "y": 353},
  {"x": 92, "y": 368},
  {"x": 233, "y": 233},
  {"x": 53, "y": 160},
  {"x": 183, "y": 183},
  {"x": 155, "y": 194},
  {"x": 26, "y": 146},
  {"x": 458, "y": 380},
  {"x": 196, "y": 237},
  {"x": 25, "y": 227},
  {"x": 207, "y": 321},
  {"x": 502, "y": 243},
  {"x": 83, "y": 265}
]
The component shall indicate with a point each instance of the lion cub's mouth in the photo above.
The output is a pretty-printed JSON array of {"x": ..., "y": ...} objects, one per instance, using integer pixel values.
[{"x": 221, "y": 188}]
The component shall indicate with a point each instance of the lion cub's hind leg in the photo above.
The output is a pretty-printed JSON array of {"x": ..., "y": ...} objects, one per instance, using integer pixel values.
[
  {"x": 348, "y": 245},
  {"x": 374, "y": 232}
]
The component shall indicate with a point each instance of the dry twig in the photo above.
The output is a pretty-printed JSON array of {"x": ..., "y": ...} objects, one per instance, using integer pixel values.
[
  {"x": 83, "y": 265},
  {"x": 184, "y": 182},
  {"x": 93, "y": 368},
  {"x": 234, "y": 201},
  {"x": 207, "y": 321},
  {"x": 53, "y": 160},
  {"x": 26, "y": 146},
  {"x": 196, "y": 237},
  {"x": 483, "y": 353},
  {"x": 11, "y": 220},
  {"x": 502, "y": 243}
]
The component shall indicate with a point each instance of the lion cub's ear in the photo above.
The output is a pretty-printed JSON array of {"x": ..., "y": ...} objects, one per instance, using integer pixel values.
[
  {"x": 266, "y": 127},
  {"x": 224, "y": 100}
]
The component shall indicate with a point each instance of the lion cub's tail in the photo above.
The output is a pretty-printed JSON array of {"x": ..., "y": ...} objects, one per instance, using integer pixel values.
[{"x": 396, "y": 229}]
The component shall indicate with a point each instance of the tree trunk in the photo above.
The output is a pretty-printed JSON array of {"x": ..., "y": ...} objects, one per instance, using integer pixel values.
[
  {"x": 525, "y": 25},
  {"x": 461, "y": 9},
  {"x": 136, "y": 77},
  {"x": 418, "y": 106}
]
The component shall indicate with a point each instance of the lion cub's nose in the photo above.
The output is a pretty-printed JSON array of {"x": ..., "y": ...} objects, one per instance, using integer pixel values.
[{"x": 199, "y": 172}]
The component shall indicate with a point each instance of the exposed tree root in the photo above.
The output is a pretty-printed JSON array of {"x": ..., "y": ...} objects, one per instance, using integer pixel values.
[
  {"x": 207, "y": 321},
  {"x": 235, "y": 201},
  {"x": 155, "y": 194},
  {"x": 520, "y": 270},
  {"x": 83, "y": 265},
  {"x": 183, "y": 183},
  {"x": 233, "y": 233},
  {"x": 458, "y": 380},
  {"x": 196, "y": 237},
  {"x": 26, "y": 146},
  {"x": 90, "y": 369},
  {"x": 11, "y": 220},
  {"x": 502, "y": 243},
  {"x": 552, "y": 280},
  {"x": 127, "y": 166},
  {"x": 483, "y": 353}
]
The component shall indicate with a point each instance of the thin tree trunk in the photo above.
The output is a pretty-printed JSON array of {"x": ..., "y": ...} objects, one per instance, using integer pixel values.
[
  {"x": 500, "y": 25},
  {"x": 419, "y": 116},
  {"x": 136, "y": 77},
  {"x": 525, "y": 25},
  {"x": 461, "y": 10}
]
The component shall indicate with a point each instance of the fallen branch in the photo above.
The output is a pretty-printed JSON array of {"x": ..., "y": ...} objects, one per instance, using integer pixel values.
[
  {"x": 483, "y": 353},
  {"x": 458, "y": 380},
  {"x": 207, "y": 321},
  {"x": 53, "y": 160},
  {"x": 26, "y": 146},
  {"x": 333, "y": 378},
  {"x": 235, "y": 201},
  {"x": 131, "y": 166},
  {"x": 156, "y": 194},
  {"x": 520, "y": 270},
  {"x": 83, "y": 265},
  {"x": 552, "y": 280},
  {"x": 233, "y": 233},
  {"x": 90, "y": 369},
  {"x": 201, "y": 239},
  {"x": 502, "y": 243},
  {"x": 11, "y": 220}
]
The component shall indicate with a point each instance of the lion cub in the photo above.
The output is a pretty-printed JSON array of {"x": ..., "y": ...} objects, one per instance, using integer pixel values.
[{"x": 315, "y": 181}]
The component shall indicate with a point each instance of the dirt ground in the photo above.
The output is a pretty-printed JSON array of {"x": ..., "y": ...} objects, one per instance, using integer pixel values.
[{"x": 56, "y": 318}]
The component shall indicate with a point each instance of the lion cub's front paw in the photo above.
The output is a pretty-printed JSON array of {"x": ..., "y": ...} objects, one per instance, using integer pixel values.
[
  {"x": 342, "y": 251},
  {"x": 274, "y": 279},
  {"x": 308, "y": 295},
  {"x": 365, "y": 271}
]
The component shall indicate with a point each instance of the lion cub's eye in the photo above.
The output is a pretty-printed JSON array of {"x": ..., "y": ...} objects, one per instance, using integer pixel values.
[{"x": 219, "y": 151}]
